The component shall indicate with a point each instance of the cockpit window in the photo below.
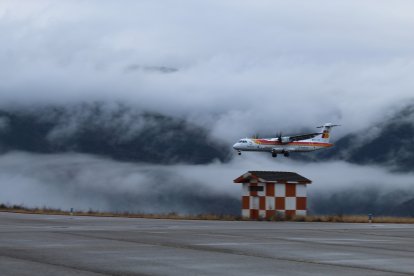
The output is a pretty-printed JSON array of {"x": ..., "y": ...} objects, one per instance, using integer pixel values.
[{"x": 242, "y": 141}]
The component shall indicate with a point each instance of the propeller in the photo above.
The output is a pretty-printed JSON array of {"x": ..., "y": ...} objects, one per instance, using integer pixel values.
[{"x": 279, "y": 138}]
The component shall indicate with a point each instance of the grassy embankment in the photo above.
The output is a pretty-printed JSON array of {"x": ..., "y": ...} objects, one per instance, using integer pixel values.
[
  {"x": 330, "y": 218},
  {"x": 51, "y": 211}
]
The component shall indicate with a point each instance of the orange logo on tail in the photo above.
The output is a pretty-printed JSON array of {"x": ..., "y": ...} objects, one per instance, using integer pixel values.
[{"x": 325, "y": 134}]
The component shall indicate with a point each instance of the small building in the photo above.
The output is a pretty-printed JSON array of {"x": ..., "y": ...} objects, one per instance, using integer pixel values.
[{"x": 267, "y": 194}]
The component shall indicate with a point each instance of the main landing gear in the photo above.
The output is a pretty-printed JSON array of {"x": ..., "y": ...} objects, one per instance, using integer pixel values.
[{"x": 285, "y": 153}]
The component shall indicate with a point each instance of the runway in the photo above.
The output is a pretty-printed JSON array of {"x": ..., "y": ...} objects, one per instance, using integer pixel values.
[{"x": 63, "y": 245}]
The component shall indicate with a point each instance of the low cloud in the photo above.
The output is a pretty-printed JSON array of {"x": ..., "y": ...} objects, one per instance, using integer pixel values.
[
  {"x": 4, "y": 123},
  {"x": 87, "y": 182}
]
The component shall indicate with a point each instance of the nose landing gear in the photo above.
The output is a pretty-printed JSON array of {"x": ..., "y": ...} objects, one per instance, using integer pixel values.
[{"x": 239, "y": 152}]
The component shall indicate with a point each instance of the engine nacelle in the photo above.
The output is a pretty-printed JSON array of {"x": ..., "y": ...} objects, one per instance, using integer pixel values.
[{"x": 285, "y": 140}]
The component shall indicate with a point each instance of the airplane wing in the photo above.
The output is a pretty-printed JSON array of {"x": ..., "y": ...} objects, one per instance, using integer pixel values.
[{"x": 303, "y": 137}]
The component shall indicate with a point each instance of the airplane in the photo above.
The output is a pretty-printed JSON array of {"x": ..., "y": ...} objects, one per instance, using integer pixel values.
[{"x": 286, "y": 144}]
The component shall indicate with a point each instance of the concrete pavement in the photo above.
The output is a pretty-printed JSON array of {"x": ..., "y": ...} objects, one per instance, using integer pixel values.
[{"x": 63, "y": 245}]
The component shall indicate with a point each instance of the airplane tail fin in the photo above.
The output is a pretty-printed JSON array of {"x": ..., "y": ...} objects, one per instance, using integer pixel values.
[{"x": 326, "y": 129}]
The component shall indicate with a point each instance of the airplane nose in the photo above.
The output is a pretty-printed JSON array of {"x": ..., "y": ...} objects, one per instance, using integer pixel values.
[{"x": 235, "y": 146}]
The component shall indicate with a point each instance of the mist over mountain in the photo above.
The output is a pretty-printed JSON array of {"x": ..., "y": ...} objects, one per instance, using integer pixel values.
[
  {"x": 364, "y": 200},
  {"x": 125, "y": 133},
  {"x": 121, "y": 132},
  {"x": 388, "y": 143},
  {"x": 86, "y": 182},
  {"x": 116, "y": 131}
]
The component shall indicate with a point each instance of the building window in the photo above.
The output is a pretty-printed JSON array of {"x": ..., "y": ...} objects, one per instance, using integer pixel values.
[{"x": 256, "y": 188}]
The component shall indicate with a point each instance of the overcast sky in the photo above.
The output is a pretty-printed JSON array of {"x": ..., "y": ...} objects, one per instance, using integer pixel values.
[
  {"x": 242, "y": 65},
  {"x": 233, "y": 66}
]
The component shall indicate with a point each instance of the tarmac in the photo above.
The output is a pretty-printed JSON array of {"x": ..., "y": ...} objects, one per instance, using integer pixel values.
[{"x": 64, "y": 245}]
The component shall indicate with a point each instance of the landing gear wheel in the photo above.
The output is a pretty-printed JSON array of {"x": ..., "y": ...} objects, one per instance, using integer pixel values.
[
  {"x": 239, "y": 152},
  {"x": 274, "y": 154},
  {"x": 286, "y": 154}
]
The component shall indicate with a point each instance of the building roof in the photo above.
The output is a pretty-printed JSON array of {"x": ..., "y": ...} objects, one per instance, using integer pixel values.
[{"x": 271, "y": 176}]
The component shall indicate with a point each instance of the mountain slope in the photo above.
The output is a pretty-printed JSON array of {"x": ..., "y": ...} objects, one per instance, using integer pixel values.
[
  {"x": 379, "y": 201},
  {"x": 389, "y": 143},
  {"x": 118, "y": 132}
]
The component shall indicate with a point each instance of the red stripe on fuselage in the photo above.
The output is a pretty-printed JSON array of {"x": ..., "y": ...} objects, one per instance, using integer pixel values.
[{"x": 297, "y": 143}]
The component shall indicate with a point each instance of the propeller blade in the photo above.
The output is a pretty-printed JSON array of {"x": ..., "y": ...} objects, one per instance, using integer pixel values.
[{"x": 280, "y": 137}]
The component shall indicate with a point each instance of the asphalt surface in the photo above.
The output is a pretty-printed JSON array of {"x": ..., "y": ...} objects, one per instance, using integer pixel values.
[{"x": 62, "y": 245}]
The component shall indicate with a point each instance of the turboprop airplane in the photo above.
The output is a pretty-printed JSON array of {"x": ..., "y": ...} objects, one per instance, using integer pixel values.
[{"x": 286, "y": 144}]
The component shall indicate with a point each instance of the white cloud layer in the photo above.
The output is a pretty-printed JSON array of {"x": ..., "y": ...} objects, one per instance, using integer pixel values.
[
  {"x": 86, "y": 182},
  {"x": 243, "y": 66}
]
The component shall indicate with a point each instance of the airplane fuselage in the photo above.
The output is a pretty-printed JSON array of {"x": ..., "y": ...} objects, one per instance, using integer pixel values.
[
  {"x": 286, "y": 144},
  {"x": 275, "y": 146}
]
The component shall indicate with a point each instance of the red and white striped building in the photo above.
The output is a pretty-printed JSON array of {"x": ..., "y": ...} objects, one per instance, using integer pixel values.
[{"x": 267, "y": 194}]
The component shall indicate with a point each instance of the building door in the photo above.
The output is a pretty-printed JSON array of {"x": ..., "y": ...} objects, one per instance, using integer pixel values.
[
  {"x": 255, "y": 202},
  {"x": 254, "y": 210}
]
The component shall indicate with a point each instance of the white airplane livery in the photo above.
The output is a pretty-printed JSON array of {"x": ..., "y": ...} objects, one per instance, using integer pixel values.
[{"x": 286, "y": 144}]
